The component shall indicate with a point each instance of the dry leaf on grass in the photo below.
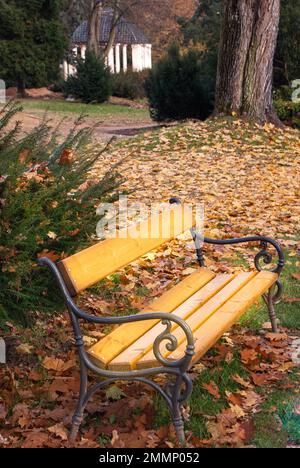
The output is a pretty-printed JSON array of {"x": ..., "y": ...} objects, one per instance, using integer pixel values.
[{"x": 212, "y": 388}]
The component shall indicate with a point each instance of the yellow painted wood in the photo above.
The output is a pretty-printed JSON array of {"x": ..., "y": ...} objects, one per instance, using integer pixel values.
[
  {"x": 95, "y": 263},
  {"x": 226, "y": 316},
  {"x": 203, "y": 313},
  {"x": 123, "y": 336},
  {"x": 126, "y": 360}
]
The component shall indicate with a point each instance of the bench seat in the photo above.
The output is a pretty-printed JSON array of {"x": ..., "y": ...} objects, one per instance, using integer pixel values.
[{"x": 210, "y": 304}]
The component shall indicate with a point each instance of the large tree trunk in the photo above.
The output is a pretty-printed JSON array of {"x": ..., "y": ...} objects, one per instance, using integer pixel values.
[{"x": 245, "y": 69}]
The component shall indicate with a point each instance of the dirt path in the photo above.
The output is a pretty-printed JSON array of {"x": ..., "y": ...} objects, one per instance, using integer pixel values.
[{"x": 103, "y": 131}]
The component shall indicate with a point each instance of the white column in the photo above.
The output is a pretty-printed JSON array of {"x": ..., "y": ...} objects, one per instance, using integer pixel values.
[
  {"x": 142, "y": 57},
  {"x": 65, "y": 70},
  {"x": 149, "y": 56},
  {"x": 125, "y": 65},
  {"x": 137, "y": 64},
  {"x": 140, "y": 68},
  {"x": 111, "y": 61},
  {"x": 134, "y": 57},
  {"x": 118, "y": 61},
  {"x": 83, "y": 51},
  {"x": 72, "y": 70}
]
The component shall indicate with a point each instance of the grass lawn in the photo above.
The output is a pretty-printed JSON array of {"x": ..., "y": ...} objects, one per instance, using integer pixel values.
[{"x": 107, "y": 111}]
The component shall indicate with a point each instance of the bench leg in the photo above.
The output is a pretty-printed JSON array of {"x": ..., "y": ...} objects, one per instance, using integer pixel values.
[
  {"x": 179, "y": 426},
  {"x": 178, "y": 399},
  {"x": 272, "y": 314},
  {"x": 78, "y": 415},
  {"x": 272, "y": 298}
]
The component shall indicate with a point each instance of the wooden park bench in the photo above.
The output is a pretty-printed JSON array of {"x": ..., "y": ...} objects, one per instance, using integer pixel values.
[{"x": 178, "y": 328}]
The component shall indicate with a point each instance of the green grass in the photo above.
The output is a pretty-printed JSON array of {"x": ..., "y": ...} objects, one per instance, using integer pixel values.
[
  {"x": 92, "y": 110},
  {"x": 201, "y": 402},
  {"x": 277, "y": 423}
]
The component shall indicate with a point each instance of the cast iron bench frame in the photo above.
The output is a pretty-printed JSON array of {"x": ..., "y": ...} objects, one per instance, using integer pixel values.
[{"x": 178, "y": 390}]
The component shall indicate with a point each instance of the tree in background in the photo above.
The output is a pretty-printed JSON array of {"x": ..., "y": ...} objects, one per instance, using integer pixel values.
[
  {"x": 177, "y": 87},
  {"x": 32, "y": 42},
  {"x": 204, "y": 26},
  {"x": 287, "y": 57},
  {"x": 245, "y": 68},
  {"x": 73, "y": 13},
  {"x": 202, "y": 31}
]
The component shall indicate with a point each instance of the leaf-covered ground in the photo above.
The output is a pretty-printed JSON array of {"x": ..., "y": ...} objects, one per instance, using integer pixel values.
[
  {"x": 248, "y": 179},
  {"x": 247, "y": 176}
]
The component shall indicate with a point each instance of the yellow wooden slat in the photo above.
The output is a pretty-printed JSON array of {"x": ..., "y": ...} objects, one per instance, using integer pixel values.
[
  {"x": 211, "y": 330},
  {"x": 123, "y": 336},
  {"x": 202, "y": 314},
  {"x": 95, "y": 263},
  {"x": 127, "y": 359}
]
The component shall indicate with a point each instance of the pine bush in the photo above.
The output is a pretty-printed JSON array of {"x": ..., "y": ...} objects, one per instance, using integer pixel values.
[
  {"x": 47, "y": 208},
  {"x": 92, "y": 81},
  {"x": 177, "y": 87},
  {"x": 130, "y": 85}
]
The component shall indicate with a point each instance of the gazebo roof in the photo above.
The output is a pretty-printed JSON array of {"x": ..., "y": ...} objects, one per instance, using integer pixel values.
[{"x": 126, "y": 32}]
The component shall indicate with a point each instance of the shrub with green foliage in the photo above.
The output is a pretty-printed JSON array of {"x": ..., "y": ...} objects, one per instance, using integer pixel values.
[
  {"x": 32, "y": 42},
  {"x": 288, "y": 112},
  {"x": 92, "y": 82},
  {"x": 47, "y": 208},
  {"x": 130, "y": 85},
  {"x": 178, "y": 87},
  {"x": 287, "y": 56}
]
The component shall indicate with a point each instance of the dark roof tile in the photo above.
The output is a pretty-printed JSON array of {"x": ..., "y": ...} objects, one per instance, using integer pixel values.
[{"x": 127, "y": 32}]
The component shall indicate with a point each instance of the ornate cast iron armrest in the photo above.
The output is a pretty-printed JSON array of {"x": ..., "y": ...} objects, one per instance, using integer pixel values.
[
  {"x": 264, "y": 254},
  {"x": 166, "y": 319},
  {"x": 166, "y": 335}
]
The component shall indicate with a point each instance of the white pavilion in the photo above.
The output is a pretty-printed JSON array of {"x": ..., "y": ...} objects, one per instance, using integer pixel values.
[{"x": 131, "y": 49}]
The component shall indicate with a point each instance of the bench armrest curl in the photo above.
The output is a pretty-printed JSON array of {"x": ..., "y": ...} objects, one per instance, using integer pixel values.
[{"x": 263, "y": 255}]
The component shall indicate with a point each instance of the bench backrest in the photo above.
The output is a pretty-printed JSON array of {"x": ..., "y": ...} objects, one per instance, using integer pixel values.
[{"x": 89, "y": 266}]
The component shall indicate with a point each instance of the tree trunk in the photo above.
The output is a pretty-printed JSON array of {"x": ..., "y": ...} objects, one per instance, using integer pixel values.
[
  {"x": 112, "y": 34},
  {"x": 94, "y": 20},
  {"x": 21, "y": 88},
  {"x": 245, "y": 68}
]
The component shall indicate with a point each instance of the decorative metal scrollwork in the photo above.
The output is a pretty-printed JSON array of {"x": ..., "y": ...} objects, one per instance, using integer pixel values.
[
  {"x": 277, "y": 291},
  {"x": 264, "y": 255},
  {"x": 185, "y": 390},
  {"x": 172, "y": 344}
]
